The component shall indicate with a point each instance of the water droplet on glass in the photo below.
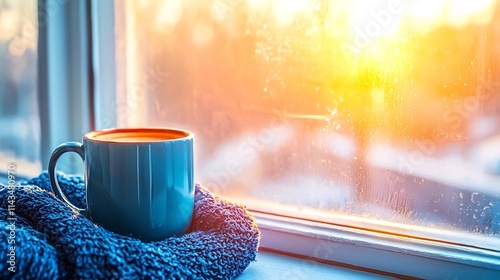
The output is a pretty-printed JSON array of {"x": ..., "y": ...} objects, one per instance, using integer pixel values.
[
  {"x": 461, "y": 195},
  {"x": 473, "y": 197}
]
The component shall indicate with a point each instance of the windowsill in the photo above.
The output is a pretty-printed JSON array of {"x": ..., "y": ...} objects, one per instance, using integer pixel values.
[
  {"x": 376, "y": 252},
  {"x": 277, "y": 266}
]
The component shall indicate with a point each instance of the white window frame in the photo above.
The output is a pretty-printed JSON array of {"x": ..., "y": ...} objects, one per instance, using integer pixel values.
[{"x": 70, "y": 99}]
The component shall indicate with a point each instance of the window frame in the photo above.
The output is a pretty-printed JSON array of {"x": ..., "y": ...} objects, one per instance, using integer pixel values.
[
  {"x": 65, "y": 76},
  {"x": 379, "y": 252}
]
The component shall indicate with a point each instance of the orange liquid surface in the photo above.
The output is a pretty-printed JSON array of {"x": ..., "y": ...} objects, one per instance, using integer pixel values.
[{"x": 139, "y": 135}]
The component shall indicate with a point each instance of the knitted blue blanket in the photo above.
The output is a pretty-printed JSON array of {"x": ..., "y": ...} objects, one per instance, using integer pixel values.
[{"x": 44, "y": 239}]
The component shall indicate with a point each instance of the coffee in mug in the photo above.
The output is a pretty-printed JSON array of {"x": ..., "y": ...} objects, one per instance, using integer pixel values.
[{"x": 139, "y": 181}]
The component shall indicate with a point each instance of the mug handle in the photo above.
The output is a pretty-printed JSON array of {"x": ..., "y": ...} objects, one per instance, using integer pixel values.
[{"x": 75, "y": 147}]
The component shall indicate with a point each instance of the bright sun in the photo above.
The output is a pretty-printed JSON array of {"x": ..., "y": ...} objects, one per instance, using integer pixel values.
[{"x": 424, "y": 13}]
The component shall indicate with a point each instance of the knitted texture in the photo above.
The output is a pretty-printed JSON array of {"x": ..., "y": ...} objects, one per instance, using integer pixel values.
[{"x": 53, "y": 242}]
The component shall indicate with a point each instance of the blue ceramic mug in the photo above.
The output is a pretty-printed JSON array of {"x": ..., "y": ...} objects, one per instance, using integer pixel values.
[{"x": 139, "y": 181}]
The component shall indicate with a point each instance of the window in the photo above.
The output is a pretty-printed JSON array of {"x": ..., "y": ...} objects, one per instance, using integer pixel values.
[
  {"x": 372, "y": 114},
  {"x": 19, "y": 118},
  {"x": 370, "y": 119},
  {"x": 362, "y": 117}
]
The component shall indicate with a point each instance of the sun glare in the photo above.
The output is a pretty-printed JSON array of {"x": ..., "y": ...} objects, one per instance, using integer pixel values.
[
  {"x": 426, "y": 14},
  {"x": 286, "y": 10},
  {"x": 169, "y": 14},
  {"x": 462, "y": 12},
  {"x": 365, "y": 49}
]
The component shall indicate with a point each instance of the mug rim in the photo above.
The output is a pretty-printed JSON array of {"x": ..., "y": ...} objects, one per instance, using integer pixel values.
[{"x": 183, "y": 134}]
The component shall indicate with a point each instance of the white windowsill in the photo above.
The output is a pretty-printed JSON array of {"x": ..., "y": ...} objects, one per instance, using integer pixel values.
[
  {"x": 277, "y": 266},
  {"x": 399, "y": 256}
]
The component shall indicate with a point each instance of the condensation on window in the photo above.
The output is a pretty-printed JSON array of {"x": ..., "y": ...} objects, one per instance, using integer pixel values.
[
  {"x": 386, "y": 110},
  {"x": 19, "y": 119}
]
